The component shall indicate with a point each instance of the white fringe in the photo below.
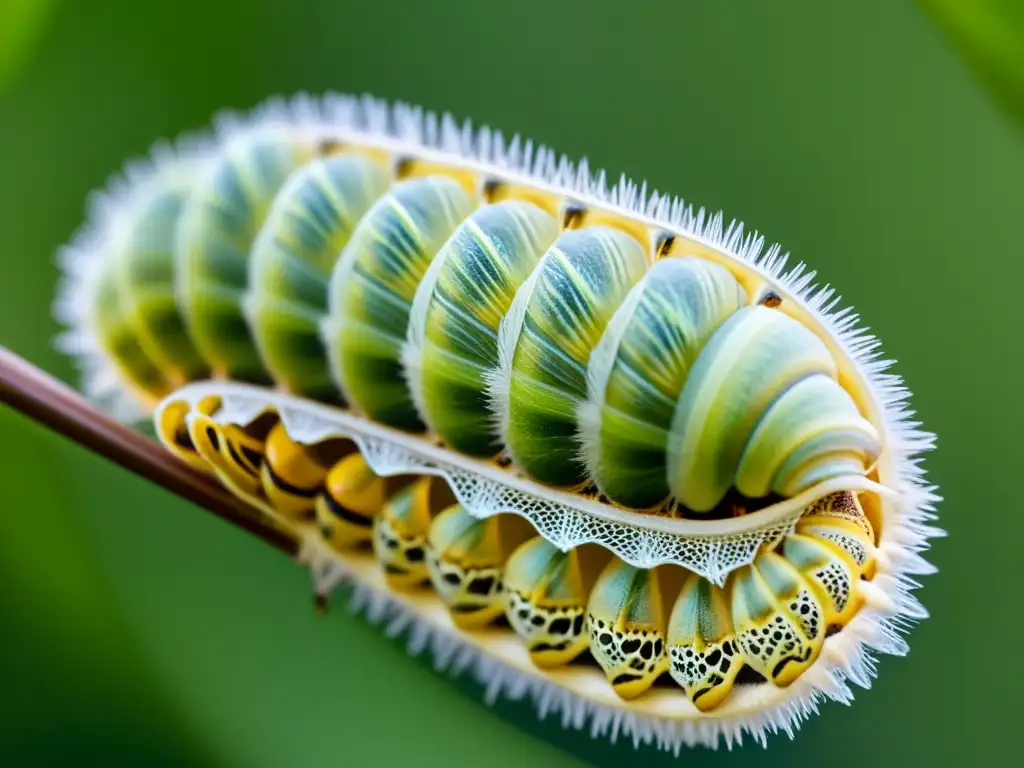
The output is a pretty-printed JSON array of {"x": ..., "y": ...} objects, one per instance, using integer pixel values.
[{"x": 847, "y": 658}]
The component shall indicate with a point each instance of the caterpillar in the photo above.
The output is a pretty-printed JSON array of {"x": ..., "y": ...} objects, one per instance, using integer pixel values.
[{"x": 603, "y": 448}]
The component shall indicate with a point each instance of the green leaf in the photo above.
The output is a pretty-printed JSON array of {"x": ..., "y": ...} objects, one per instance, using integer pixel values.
[
  {"x": 21, "y": 26},
  {"x": 990, "y": 35}
]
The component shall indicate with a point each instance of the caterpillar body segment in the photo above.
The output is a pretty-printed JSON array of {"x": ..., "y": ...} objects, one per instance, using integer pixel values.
[
  {"x": 372, "y": 291},
  {"x": 546, "y": 600},
  {"x": 488, "y": 389},
  {"x": 310, "y": 222},
  {"x": 143, "y": 270},
  {"x": 554, "y": 324},
  {"x": 637, "y": 371},
  {"x": 121, "y": 340},
  {"x": 352, "y": 496},
  {"x": 291, "y": 474},
  {"x": 704, "y": 658},
  {"x": 833, "y": 521},
  {"x": 401, "y": 531},
  {"x": 215, "y": 237},
  {"x": 452, "y": 347},
  {"x": 736, "y": 410},
  {"x": 233, "y": 453},
  {"x": 830, "y": 572},
  {"x": 779, "y": 621},
  {"x": 627, "y": 621},
  {"x": 465, "y": 556}
]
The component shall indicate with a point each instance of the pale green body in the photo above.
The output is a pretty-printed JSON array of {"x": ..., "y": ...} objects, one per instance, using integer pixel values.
[
  {"x": 372, "y": 290},
  {"x": 488, "y": 326},
  {"x": 478, "y": 273},
  {"x": 309, "y": 225},
  {"x": 580, "y": 283},
  {"x": 644, "y": 361},
  {"x": 145, "y": 272},
  {"x": 218, "y": 227}
]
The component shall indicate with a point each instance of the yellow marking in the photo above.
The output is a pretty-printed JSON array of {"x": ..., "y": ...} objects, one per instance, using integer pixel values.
[{"x": 409, "y": 168}]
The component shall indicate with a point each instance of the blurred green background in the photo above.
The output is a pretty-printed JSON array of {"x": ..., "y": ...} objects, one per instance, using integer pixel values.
[{"x": 136, "y": 630}]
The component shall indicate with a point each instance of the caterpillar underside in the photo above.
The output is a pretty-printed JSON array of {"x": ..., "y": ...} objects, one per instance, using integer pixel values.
[{"x": 590, "y": 438}]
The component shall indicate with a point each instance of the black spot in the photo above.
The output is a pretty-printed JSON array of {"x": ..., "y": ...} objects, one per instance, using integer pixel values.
[
  {"x": 550, "y": 647},
  {"x": 537, "y": 621},
  {"x": 329, "y": 146},
  {"x": 577, "y": 624},
  {"x": 524, "y": 613},
  {"x": 286, "y": 487},
  {"x": 714, "y": 656},
  {"x": 572, "y": 215},
  {"x": 390, "y": 543},
  {"x": 605, "y": 639},
  {"x": 799, "y": 658},
  {"x": 240, "y": 463},
  {"x": 254, "y": 457},
  {"x": 749, "y": 676},
  {"x": 344, "y": 513},
  {"x": 702, "y": 691},
  {"x": 637, "y": 664},
  {"x": 491, "y": 188},
  {"x": 777, "y": 636},
  {"x": 213, "y": 437},
  {"x": 625, "y": 677},
  {"x": 755, "y": 649},
  {"x": 805, "y": 609},
  {"x": 452, "y": 578},
  {"x": 560, "y": 626},
  {"x": 646, "y": 650},
  {"x": 460, "y": 608},
  {"x": 657, "y": 647},
  {"x": 631, "y": 645},
  {"x": 414, "y": 554},
  {"x": 183, "y": 440},
  {"x": 481, "y": 586},
  {"x": 726, "y": 664},
  {"x": 403, "y": 166},
  {"x": 663, "y": 244}
]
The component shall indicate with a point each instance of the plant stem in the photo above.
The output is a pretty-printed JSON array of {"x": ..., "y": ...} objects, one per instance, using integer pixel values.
[{"x": 53, "y": 404}]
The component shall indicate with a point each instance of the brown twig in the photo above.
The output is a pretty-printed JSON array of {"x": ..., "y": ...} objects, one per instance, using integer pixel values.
[{"x": 50, "y": 402}]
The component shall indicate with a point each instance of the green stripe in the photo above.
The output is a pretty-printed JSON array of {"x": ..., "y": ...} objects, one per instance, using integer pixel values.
[
  {"x": 485, "y": 262},
  {"x": 585, "y": 278}
]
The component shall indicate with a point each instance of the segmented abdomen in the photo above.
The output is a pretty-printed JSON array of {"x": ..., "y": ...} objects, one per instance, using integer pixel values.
[{"x": 402, "y": 292}]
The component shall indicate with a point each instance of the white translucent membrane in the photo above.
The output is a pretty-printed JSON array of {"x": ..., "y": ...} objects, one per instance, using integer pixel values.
[{"x": 712, "y": 548}]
